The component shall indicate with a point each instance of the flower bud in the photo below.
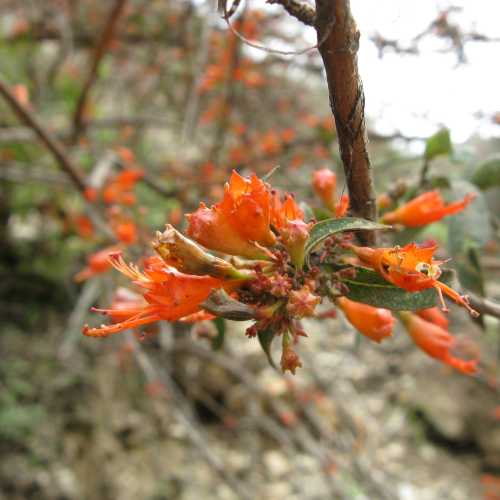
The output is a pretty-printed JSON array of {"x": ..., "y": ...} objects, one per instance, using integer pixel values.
[
  {"x": 373, "y": 322},
  {"x": 302, "y": 303},
  {"x": 294, "y": 236},
  {"x": 289, "y": 360},
  {"x": 185, "y": 255},
  {"x": 325, "y": 184}
]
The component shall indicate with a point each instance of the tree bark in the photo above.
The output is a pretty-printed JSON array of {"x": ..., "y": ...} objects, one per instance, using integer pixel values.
[{"x": 338, "y": 42}]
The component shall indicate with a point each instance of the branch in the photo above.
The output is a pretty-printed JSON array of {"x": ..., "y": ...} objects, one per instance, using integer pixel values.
[
  {"x": 52, "y": 144},
  {"x": 485, "y": 306},
  {"x": 338, "y": 32},
  {"x": 304, "y": 12},
  {"x": 99, "y": 52}
]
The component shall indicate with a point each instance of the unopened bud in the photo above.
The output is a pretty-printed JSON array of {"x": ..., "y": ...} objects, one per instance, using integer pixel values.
[
  {"x": 188, "y": 257},
  {"x": 294, "y": 237},
  {"x": 290, "y": 360},
  {"x": 302, "y": 303}
]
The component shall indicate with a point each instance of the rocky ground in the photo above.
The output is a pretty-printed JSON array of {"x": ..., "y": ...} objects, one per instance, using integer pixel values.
[{"x": 169, "y": 419}]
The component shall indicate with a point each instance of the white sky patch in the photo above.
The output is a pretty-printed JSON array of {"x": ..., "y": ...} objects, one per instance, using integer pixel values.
[{"x": 417, "y": 94}]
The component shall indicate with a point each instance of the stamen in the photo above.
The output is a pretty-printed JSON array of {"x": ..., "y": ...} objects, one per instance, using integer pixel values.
[{"x": 444, "y": 307}]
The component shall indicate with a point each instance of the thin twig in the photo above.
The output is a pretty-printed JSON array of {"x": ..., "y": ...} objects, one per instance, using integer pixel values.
[
  {"x": 154, "y": 373},
  {"x": 302, "y": 11},
  {"x": 99, "y": 53},
  {"x": 52, "y": 144}
]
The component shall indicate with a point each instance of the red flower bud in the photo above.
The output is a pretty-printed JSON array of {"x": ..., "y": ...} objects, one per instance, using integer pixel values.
[
  {"x": 289, "y": 360},
  {"x": 374, "y": 322},
  {"x": 302, "y": 303}
]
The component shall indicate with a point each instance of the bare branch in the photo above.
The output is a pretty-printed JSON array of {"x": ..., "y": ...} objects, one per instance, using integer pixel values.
[
  {"x": 52, "y": 144},
  {"x": 99, "y": 52},
  {"x": 485, "y": 306},
  {"x": 347, "y": 100},
  {"x": 302, "y": 11}
]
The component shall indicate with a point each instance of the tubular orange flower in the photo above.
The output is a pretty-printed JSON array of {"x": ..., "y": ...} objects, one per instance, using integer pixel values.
[
  {"x": 375, "y": 323},
  {"x": 169, "y": 295},
  {"x": 325, "y": 184},
  {"x": 412, "y": 268},
  {"x": 97, "y": 263},
  {"x": 436, "y": 342},
  {"x": 239, "y": 221},
  {"x": 434, "y": 315},
  {"x": 288, "y": 219},
  {"x": 282, "y": 213},
  {"x": 424, "y": 209}
]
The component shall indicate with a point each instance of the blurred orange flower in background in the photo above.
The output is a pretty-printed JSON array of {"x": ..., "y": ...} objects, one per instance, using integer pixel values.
[{"x": 425, "y": 209}]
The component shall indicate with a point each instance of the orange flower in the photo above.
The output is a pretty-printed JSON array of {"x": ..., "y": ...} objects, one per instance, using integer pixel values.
[
  {"x": 325, "y": 185},
  {"x": 436, "y": 342},
  {"x": 125, "y": 231},
  {"x": 239, "y": 221},
  {"x": 119, "y": 190},
  {"x": 288, "y": 219},
  {"x": 84, "y": 227},
  {"x": 97, "y": 263},
  {"x": 424, "y": 209},
  {"x": 374, "y": 322},
  {"x": 434, "y": 315},
  {"x": 412, "y": 268},
  {"x": 169, "y": 295}
]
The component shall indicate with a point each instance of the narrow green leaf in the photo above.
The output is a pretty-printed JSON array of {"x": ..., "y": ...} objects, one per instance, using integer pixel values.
[
  {"x": 326, "y": 228},
  {"x": 370, "y": 288},
  {"x": 487, "y": 174},
  {"x": 266, "y": 338},
  {"x": 218, "y": 341},
  {"x": 438, "y": 144}
]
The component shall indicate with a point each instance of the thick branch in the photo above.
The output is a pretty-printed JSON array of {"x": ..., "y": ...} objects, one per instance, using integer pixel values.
[
  {"x": 338, "y": 40},
  {"x": 52, "y": 144},
  {"x": 99, "y": 52},
  {"x": 302, "y": 11}
]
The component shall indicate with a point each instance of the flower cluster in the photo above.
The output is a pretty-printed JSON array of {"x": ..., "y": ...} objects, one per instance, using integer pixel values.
[{"x": 265, "y": 270}]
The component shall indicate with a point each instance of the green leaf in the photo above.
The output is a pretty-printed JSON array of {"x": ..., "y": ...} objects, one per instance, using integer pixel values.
[
  {"x": 266, "y": 338},
  {"x": 468, "y": 231},
  {"x": 438, "y": 144},
  {"x": 370, "y": 288},
  {"x": 471, "y": 226},
  {"x": 326, "y": 228},
  {"x": 487, "y": 174},
  {"x": 218, "y": 341}
]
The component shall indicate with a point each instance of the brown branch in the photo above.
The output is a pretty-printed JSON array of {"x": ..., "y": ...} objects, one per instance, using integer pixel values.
[
  {"x": 337, "y": 31},
  {"x": 52, "y": 144},
  {"x": 99, "y": 53},
  {"x": 485, "y": 306},
  {"x": 302, "y": 11}
]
